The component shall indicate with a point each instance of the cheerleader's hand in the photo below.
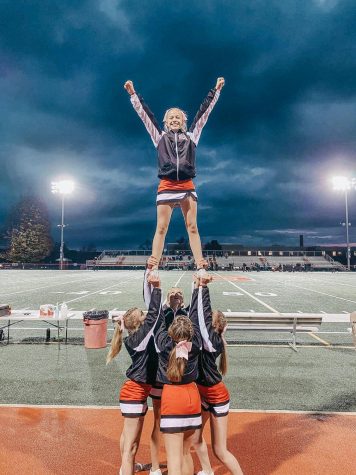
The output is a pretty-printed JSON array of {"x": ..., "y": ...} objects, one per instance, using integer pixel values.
[
  {"x": 202, "y": 264},
  {"x": 205, "y": 280},
  {"x": 152, "y": 262},
  {"x": 154, "y": 280},
  {"x": 220, "y": 83},
  {"x": 129, "y": 87}
]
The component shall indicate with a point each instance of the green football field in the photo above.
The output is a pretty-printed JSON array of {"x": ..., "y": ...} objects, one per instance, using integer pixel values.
[
  {"x": 317, "y": 292},
  {"x": 264, "y": 373}
]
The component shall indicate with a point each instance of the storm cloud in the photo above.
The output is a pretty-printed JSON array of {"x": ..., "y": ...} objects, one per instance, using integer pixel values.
[{"x": 285, "y": 121}]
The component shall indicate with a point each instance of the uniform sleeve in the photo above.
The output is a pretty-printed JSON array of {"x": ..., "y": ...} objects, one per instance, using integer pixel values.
[
  {"x": 211, "y": 339},
  {"x": 138, "y": 341},
  {"x": 147, "y": 117},
  {"x": 193, "y": 315},
  {"x": 147, "y": 289},
  {"x": 202, "y": 115}
]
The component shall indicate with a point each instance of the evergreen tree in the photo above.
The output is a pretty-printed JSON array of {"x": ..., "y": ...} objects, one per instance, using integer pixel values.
[
  {"x": 29, "y": 231},
  {"x": 213, "y": 245}
]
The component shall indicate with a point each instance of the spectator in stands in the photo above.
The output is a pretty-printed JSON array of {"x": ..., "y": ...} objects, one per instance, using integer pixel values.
[{"x": 176, "y": 158}]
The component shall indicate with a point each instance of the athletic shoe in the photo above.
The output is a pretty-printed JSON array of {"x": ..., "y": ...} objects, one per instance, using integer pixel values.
[
  {"x": 201, "y": 274},
  {"x": 205, "y": 473},
  {"x": 156, "y": 472},
  {"x": 142, "y": 467}
]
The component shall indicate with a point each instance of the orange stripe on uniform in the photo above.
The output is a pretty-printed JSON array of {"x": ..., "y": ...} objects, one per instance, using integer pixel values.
[
  {"x": 132, "y": 391},
  {"x": 216, "y": 394},
  {"x": 173, "y": 185}
]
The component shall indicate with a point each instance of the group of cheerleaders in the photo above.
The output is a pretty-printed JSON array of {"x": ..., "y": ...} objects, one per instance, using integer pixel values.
[{"x": 174, "y": 349}]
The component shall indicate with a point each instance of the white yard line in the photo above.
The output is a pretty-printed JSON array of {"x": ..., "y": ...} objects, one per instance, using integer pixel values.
[
  {"x": 180, "y": 278},
  {"x": 248, "y": 293},
  {"x": 322, "y": 293},
  {"x": 101, "y": 290},
  {"x": 45, "y": 286}
]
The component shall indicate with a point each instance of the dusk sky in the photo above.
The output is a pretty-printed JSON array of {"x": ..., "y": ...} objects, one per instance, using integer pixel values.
[{"x": 284, "y": 124}]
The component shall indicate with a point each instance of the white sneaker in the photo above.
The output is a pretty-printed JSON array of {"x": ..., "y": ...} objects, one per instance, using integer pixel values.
[
  {"x": 202, "y": 273},
  {"x": 204, "y": 473},
  {"x": 156, "y": 472}
]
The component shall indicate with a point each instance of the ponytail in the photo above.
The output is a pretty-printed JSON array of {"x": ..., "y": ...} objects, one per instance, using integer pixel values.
[
  {"x": 181, "y": 331},
  {"x": 176, "y": 367},
  {"x": 223, "y": 360},
  {"x": 116, "y": 343},
  {"x": 220, "y": 324},
  {"x": 129, "y": 321}
]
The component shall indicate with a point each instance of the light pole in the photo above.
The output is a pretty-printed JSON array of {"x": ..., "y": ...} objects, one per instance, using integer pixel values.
[
  {"x": 63, "y": 187},
  {"x": 345, "y": 184}
]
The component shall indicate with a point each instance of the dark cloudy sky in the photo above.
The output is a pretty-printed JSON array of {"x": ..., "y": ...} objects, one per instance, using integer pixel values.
[{"x": 285, "y": 121}]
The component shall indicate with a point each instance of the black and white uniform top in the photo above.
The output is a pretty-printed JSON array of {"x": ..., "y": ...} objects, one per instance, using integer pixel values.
[
  {"x": 170, "y": 314},
  {"x": 140, "y": 344},
  {"x": 175, "y": 150},
  {"x": 213, "y": 344},
  {"x": 164, "y": 344}
]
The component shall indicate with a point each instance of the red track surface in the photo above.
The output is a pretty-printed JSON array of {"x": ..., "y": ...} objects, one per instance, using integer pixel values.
[{"x": 74, "y": 441}]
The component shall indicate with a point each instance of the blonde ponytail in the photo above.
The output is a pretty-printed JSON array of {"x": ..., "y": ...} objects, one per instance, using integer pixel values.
[
  {"x": 219, "y": 324},
  {"x": 176, "y": 367},
  {"x": 223, "y": 364},
  {"x": 129, "y": 321},
  {"x": 181, "y": 330},
  {"x": 116, "y": 343}
]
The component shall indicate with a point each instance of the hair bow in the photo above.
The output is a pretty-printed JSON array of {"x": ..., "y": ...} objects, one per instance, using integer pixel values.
[{"x": 183, "y": 348}]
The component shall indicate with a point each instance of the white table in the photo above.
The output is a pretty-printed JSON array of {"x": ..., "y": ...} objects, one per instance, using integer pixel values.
[{"x": 34, "y": 316}]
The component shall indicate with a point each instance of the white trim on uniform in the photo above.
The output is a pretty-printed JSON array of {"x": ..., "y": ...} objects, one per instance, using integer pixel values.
[
  {"x": 133, "y": 408},
  {"x": 180, "y": 423},
  {"x": 179, "y": 196}
]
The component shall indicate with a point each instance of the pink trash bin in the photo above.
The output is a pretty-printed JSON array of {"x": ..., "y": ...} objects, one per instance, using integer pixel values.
[{"x": 95, "y": 329}]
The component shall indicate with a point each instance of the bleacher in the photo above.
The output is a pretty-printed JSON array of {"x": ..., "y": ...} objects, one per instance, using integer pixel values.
[{"x": 219, "y": 260}]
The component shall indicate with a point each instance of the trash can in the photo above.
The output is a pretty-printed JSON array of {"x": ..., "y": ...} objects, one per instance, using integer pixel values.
[{"x": 95, "y": 328}]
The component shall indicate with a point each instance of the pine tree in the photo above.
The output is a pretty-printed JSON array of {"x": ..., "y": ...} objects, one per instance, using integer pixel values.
[{"x": 29, "y": 231}]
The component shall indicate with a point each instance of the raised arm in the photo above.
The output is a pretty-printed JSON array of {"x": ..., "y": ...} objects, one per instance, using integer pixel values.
[
  {"x": 193, "y": 315},
  {"x": 145, "y": 114},
  {"x": 147, "y": 286},
  {"x": 211, "y": 339},
  {"x": 203, "y": 113},
  {"x": 138, "y": 341}
]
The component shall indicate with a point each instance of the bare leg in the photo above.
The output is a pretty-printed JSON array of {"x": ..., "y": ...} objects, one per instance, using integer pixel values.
[
  {"x": 218, "y": 439},
  {"x": 164, "y": 213},
  {"x": 154, "y": 442},
  {"x": 174, "y": 451},
  {"x": 200, "y": 447},
  {"x": 188, "y": 465},
  {"x": 131, "y": 439},
  {"x": 189, "y": 209}
]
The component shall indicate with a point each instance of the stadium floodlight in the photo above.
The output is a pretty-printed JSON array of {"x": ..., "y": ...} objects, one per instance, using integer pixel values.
[
  {"x": 63, "y": 187},
  {"x": 342, "y": 183}
]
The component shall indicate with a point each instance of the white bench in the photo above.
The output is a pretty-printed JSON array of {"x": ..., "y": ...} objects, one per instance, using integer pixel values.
[{"x": 278, "y": 322}]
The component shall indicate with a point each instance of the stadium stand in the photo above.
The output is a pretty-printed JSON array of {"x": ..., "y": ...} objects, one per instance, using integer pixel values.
[{"x": 218, "y": 260}]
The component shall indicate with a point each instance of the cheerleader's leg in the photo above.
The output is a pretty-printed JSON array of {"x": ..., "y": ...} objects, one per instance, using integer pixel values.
[
  {"x": 189, "y": 208},
  {"x": 131, "y": 439},
  {"x": 164, "y": 214},
  {"x": 174, "y": 450},
  {"x": 218, "y": 426}
]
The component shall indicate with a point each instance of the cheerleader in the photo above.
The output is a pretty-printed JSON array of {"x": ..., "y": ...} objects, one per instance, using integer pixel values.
[
  {"x": 178, "y": 352},
  {"x": 213, "y": 392},
  {"x": 141, "y": 374},
  {"x": 176, "y": 166}
]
